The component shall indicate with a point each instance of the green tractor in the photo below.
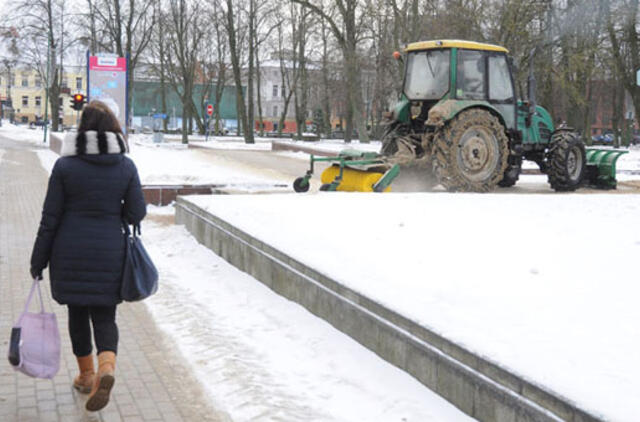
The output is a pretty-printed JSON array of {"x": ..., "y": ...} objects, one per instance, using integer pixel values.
[{"x": 460, "y": 120}]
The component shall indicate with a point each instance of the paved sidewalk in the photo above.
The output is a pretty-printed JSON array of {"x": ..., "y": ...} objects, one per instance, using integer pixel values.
[{"x": 152, "y": 384}]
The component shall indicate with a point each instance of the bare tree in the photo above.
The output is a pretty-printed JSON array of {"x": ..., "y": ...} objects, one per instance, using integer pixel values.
[
  {"x": 184, "y": 35},
  {"x": 301, "y": 26},
  {"x": 234, "y": 52},
  {"x": 287, "y": 76},
  {"x": 624, "y": 44},
  {"x": 42, "y": 24},
  {"x": 127, "y": 26},
  {"x": 220, "y": 58},
  {"x": 348, "y": 35}
]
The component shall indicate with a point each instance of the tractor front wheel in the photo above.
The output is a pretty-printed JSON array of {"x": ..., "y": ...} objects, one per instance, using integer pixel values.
[
  {"x": 512, "y": 173},
  {"x": 471, "y": 153},
  {"x": 566, "y": 161}
]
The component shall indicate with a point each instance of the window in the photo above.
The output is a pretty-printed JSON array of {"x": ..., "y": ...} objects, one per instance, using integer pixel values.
[
  {"x": 25, "y": 101},
  {"x": 500, "y": 87},
  {"x": 427, "y": 76},
  {"x": 25, "y": 79},
  {"x": 275, "y": 111},
  {"x": 65, "y": 83},
  {"x": 471, "y": 72},
  {"x": 38, "y": 81},
  {"x": 38, "y": 101},
  {"x": 275, "y": 91},
  {"x": 79, "y": 83},
  {"x": 284, "y": 90}
]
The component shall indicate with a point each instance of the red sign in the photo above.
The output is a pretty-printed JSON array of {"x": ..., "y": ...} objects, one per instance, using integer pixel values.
[
  {"x": 210, "y": 109},
  {"x": 110, "y": 64}
]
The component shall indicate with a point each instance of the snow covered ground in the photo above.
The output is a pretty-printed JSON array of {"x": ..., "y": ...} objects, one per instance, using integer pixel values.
[
  {"x": 262, "y": 357},
  {"x": 546, "y": 285},
  {"x": 22, "y": 133},
  {"x": 158, "y": 165}
]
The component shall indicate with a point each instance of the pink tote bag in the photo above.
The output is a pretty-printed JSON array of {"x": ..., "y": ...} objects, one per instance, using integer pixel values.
[{"x": 34, "y": 349}]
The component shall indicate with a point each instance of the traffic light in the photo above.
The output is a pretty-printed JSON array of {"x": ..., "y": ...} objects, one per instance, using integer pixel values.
[{"x": 77, "y": 101}]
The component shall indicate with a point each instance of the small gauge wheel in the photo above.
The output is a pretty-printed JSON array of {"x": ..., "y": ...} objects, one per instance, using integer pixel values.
[{"x": 300, "y": 185}]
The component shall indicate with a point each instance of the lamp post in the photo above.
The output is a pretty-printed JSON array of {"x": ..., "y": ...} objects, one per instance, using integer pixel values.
[{"x": 46, "y": 92}]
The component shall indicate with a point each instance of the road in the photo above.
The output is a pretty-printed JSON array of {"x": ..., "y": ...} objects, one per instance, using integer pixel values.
[{"x": 289, "y": 165}]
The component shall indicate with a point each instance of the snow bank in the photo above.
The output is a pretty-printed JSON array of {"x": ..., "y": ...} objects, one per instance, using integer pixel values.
[{"x": 547, "y": 285}]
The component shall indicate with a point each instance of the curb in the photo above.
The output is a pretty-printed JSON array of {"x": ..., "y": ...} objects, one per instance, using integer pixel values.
[
  {"x": 282, "y": 146},
  {"x": 480, "y": 388}
]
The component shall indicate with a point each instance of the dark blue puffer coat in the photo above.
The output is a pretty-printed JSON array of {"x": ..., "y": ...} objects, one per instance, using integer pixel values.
[{"x": 92, "y": 187}]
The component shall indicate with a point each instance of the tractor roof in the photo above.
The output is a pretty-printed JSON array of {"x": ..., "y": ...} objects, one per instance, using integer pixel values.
[{"x": 471, "y": 45}]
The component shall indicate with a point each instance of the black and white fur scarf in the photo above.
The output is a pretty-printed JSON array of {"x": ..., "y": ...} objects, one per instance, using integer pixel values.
[{"x": 93, "y": 143}]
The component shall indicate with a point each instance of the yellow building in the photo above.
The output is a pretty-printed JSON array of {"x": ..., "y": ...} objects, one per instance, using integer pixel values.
[{"x": 26, "y": 89}]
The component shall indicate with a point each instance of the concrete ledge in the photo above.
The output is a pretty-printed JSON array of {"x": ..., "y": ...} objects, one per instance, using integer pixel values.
[
  {"x": 55, "y": 143},
  {"x": 165, "y": 194},
  {"x": 477, "y": 386},
  {"x": 283, "y": 146}
]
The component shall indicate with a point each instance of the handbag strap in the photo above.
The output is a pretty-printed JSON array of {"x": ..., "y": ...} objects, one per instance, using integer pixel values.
[
  {"x": 127, "y": 231},
  {"x": 30, "y": 297}
]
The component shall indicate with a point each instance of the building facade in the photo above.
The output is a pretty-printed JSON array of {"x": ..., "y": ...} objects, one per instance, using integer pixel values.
[{"x": 22, "y": 92}]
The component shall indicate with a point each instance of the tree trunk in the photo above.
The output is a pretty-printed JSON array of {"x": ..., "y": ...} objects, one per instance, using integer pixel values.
[
  {"x": 250, "y": 88},
  {"x": 219, "y": 92},
  {"x": 326, "y": 103},
  {"x": 259, "y": 92},
  {"x": 185, "y": 119},
  {"x": 54, "y": 101},
  {"x": 237, "y": 72}
]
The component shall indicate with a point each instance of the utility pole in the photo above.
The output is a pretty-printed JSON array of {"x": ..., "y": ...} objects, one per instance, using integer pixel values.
[{"x": 46, "y": 92}]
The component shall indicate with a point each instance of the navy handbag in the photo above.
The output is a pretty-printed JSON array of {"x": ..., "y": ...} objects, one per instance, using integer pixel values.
[{"x": 140, "y": 276}]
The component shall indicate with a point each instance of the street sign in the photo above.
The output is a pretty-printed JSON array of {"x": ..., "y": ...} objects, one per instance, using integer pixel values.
[
  {"x": 210, "y": 109},
  {"x": 159, "y": 116}
]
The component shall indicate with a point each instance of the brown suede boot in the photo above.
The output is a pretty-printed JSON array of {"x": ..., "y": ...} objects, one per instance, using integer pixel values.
[
  {"x": 103, "y": 384},
  {"x": 85, "y": 380}
]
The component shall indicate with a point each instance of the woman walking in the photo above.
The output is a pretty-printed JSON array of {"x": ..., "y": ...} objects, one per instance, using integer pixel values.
[{"x": 93, "y": 188}]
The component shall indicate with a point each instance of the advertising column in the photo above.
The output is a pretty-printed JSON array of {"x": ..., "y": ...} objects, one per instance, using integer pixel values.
[{"x": 107, "y": 82}]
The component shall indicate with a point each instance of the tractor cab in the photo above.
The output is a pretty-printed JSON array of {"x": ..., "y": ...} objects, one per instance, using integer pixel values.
[{"x": 469, "y": 73}]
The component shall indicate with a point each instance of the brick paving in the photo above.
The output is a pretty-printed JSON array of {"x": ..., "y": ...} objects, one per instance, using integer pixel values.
[{"x": 152, "y": 383}]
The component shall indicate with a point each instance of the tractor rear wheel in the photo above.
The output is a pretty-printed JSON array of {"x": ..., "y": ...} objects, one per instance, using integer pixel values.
[
  {"x": 566, "y": 161},
  {"x": 471, "y": 153}
]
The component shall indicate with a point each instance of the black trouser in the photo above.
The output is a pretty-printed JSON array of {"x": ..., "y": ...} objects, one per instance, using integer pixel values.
[{"x": 105, "y": 330}]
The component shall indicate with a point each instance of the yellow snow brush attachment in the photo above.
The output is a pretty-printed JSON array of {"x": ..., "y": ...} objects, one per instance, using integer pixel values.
[
  {"x": 352, "y": 180},
  {"x": 352, "y": 171}
]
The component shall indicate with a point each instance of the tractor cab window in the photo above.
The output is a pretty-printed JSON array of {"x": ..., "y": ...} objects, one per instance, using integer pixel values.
[
  {"x": 427, "y": 76},
  {"x": 470, "y": 78},
  {"x": 500, "y": 86}
]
